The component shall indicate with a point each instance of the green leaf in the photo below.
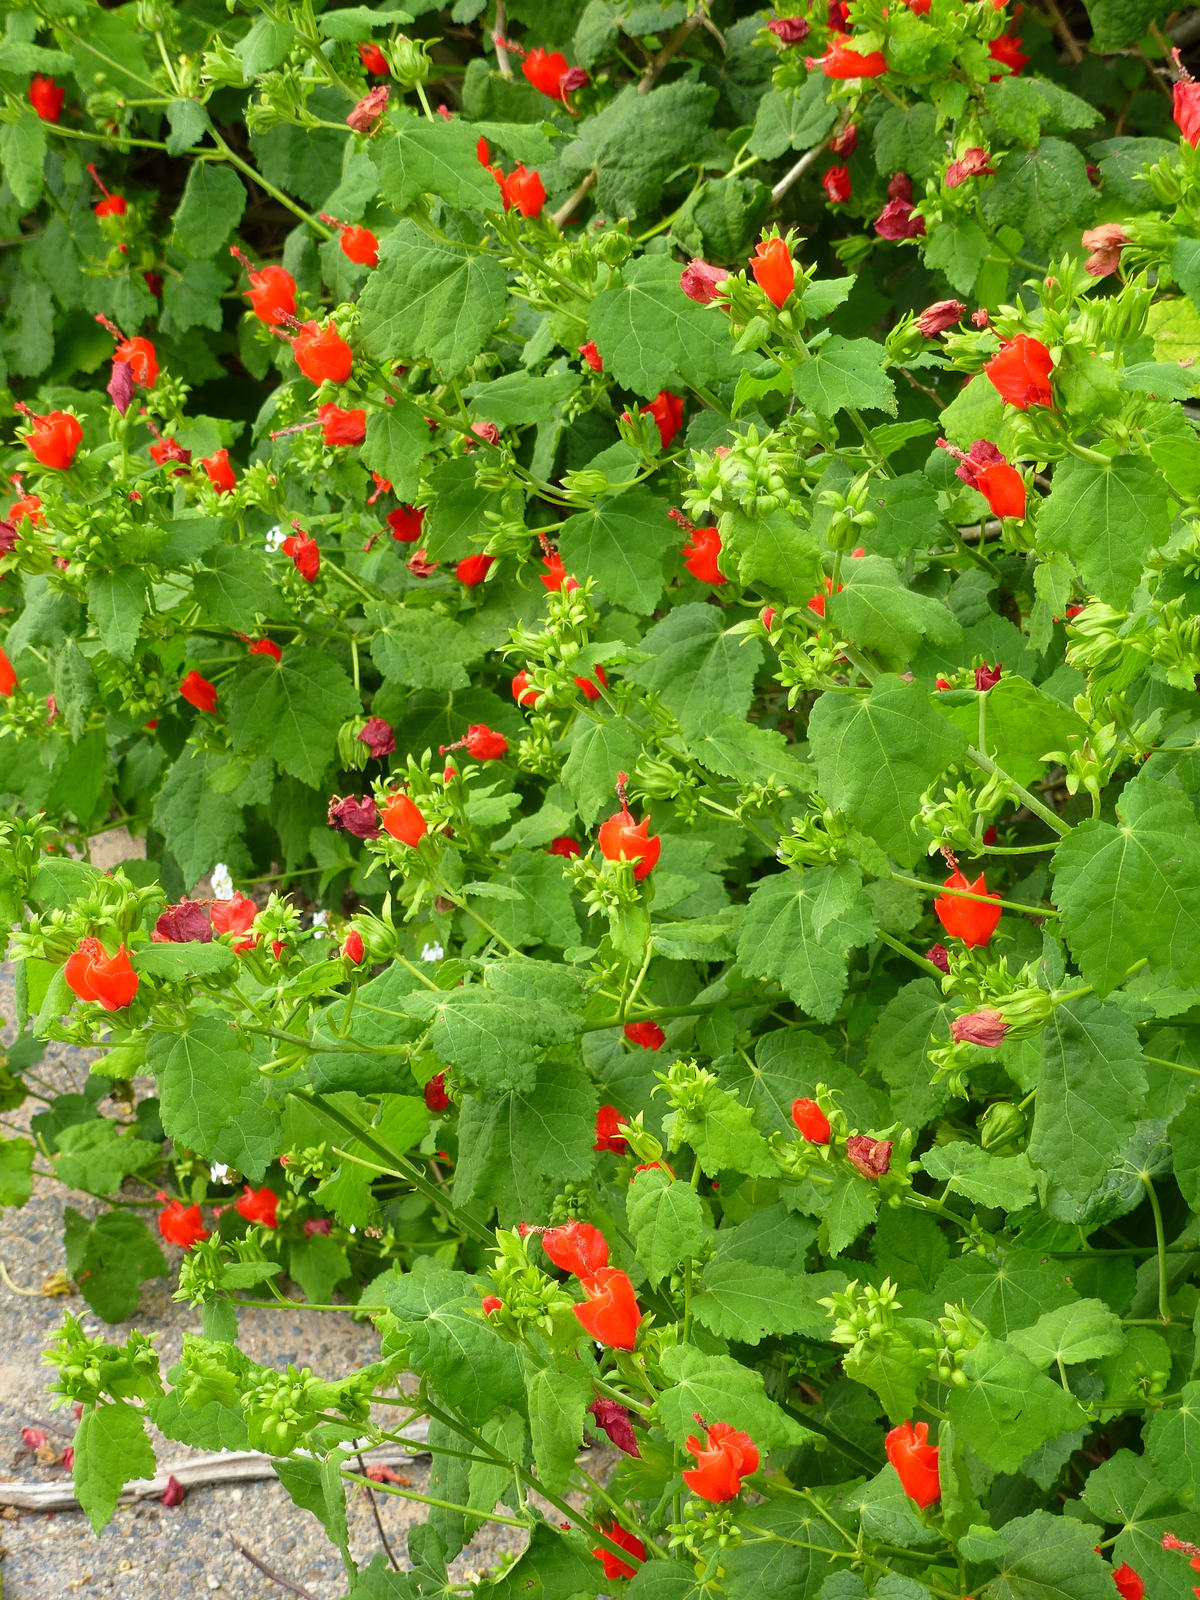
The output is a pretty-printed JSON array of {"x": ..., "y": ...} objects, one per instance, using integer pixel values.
[
  {"x": 469, "y": 1365},
  {"x": 621, "y": 543},
  {"x": 109, "y": 1259},
  {"x": 790, "y": 1063},
  {"x": 556, "y": 1399},
  {"x": 780, "y": 937},
  {"x": 666, "y": 1219},
  {"x": 265, "y": 46},
  {"x": 1049, "y": 1558},
  {"x": 720, "y": 1388},
  {"x": 416, "y": 157},
  {"x": 1108, "y": 518},
  {"x": 636, "y": 142},
  {"x": 599, "y": 750},
  {"x": 189, "y": 122},
  {"x": 1129, "y": 892},
  {"x": 1122, "y": 22},
  {"x": 117, "y": 602},
  {"x": 212, "y": 205},
  {"x": 985, "y": 1179},
  {"x": 177, "y": 962},
  {"x": 209, "y": 1084},
  {"x": 521, "y": 398},
  {"x": 747, "y": 1306},
  {"x": 845, "y": 373},
  {"x": 876, "y": 611},
  {"x": 774, "y": 1237},
  {"x": 22, "y": 155},
  {"x": 1084, "y": 1331},
  {"x": 545, "y": 910},
  {"x": 421, "y": 648},
  {"x": 294, "y": 707},
  {"x": 355, "y": 23},
  {"x": 876, "y": 757},
  {"x": 16, "y": 1171},
  {"x": 1010, "y": 1292},
  {"x": 192, "y": 299},
  {"x": 1172, "y": 1440},
  {"x": 236, "y": 588},
  {"x": 908, "y": 514},
  {"x": 111, "y": 1449},
  {"x": 1040, "y": 191},
  {"x": 776, "y": 550},
  {"x": 397, "y": 438},
  {"x": 1009, "y": 1408},
  {"x": 1125, "y": 1492},
  {"x": 93, "y": 1156},
  {"x": 199, "y": 824},
  {"x": 698, "y": 668},
  {"x": 907, "y": 140},
  {"x": 492, "y": 1039},
  {"x": 742, "y": 750},
  {"x": 722, "y": 1133},
  {"x": 650, "y": 334},
  {"x": 793, "y": 121},
  {"x": 427, "y": 299},
  {"x": 553, "y": 1566},
  {"x": 1090, "y": 1091}
]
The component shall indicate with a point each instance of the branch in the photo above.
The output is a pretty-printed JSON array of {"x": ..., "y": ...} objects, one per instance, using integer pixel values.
[
  {"x": 502, "y": 61},
  {"x": 565, "y": 211},
  {"x": 674, "y": 44},
  {"x": 269, "y": 1572},
  {"x": 796, "y": 172}
]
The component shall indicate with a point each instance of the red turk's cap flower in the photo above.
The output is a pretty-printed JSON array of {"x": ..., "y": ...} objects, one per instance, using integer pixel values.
[
  {"x": 353, "y": 948},
  {"x": 258, "y": 1205},
  {"x": 373, "y": 58},
  {"x": 613, "y": 1419},
  {"x": 490, "y": 1303},
  {"x": 620, "y": 839},
  {"x": 113, "y": 205},
  {"x": 648, "y": 1035},
  {"x": 563, "y": 846},
  {"x": 667, "y": 411},
  {"x": 360, "y": 245},
  {"x": 986, "y": 1028},
  {"x": 838, "y": 17},
  {"x": 174, "y": 1494},
  {"x": 938, "y": 953},
  {"x": 322, "y": 355},
  {"x": 342, "y": 427},
  {"x": 305, "y": 554},
  {"x": 472, "y": 570},
  {"x": 590, "y": 688},
  {"x": 701, "y": 554},
  {"x": 1106, "y": 244},
  {"x": 29, "y": 505},
  {"x": 576, "y": 1247},
  {"x": 265, "y": 647},
  {"x": 789, "y": 30},
  {"x": 774, "y": 270},
  {"x": 522, "y": 190},
  {"x": 317, "y": 1225},
  {"x": 555, "y": 574},
  {"x": 181, "y": 1225},
  {"x": 521, "y": 692},
  {"x": 1186, "y": 96},
  {"x": 46, "y": 98},
  {"x": 811, "y": 1121},
  {"x": 198, "y": 692},
  {"x": 608, "y": 1119},
  {"x": 419, "y": 565},
  {"x": 702, "y": 283},
  {"x": 137, "y": 354},
  {"x": 368, "y": 110},
  {"x": 845, "y": 143},
  {"x": 53, "y": 439},
  {"x": 1128, "y": 1582},
  {"x": 972, "y": 921},
  {"x": 121, "y": 386},
  {"x": 92, "y": 974},
  {"x": 235, "y": 916},
  {"x": 767, "y": 617},
  {"x": 487, "y": 431},
  {"x": 33, "y": 1438},
  {"x": 405, "y": 523},
  {"x": 220, "y": 473},
  {"x": 550, "y": 74},
  {"x": 722, "y": 1461},
  {"x": 1020, "y": 373},
  {"x": 169, "y": 450},
  {"x": 378, "y": 737},
  {"x": 272, "y": 291},
  {"x": 403, "y": 819},
  {"x": 1006, "y": 52},
  {"x": 872, "y": 1157},
  {"x": 592, "y": 356},
  {"x": 186, "y": 923},
  {"x": 612, "y": 1315},
  {"x": 915, "y": 1461},
  {"x": 900, "y": 187},
  {"x": 942, "y": 314},
  {"x": 973, "y": 163},
  {"x": 359, "y": 818},
  {"x": 898, "y": 220},
  {"x": 436, "y": 1098},
  {"x": 1001, "y": 485},
  {"x": 836, "y": 183},
  {"x": 988, "y": 677},
  {"x": 840, "y": 61},
  {"x": 8, "y": 674},
  {"x": 614, "y": 1567},
  {"x": 8, "y": 538}
]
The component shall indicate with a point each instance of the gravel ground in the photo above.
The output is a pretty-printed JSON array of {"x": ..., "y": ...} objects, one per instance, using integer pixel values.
[{"x": 149, "y": 1550}]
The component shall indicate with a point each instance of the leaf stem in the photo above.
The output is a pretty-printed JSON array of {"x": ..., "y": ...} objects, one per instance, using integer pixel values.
[{"x": 1164, "y": 1309}]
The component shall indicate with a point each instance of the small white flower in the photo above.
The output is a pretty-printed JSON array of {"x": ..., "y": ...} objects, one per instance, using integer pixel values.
[
  {"x": 275, "y": 538},
  {"x": 320, "y": 923},
  {"x": 218, "y": 1171},
  {"x": 353, "y": 1229},
  {"x": 222, "y": 882},
  {"x": 432, "y": 952}
]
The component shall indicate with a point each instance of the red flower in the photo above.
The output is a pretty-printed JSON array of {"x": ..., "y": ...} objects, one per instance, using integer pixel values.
[
  {"x": 379, "y": 738},
  {"x": 942, "y": 314},
  {"x": 483, "y": 743},
  {"x": 522, "y": 189},
  {"x": 305, "y": 554},
  {"x": 1020, "y": 373},
  {"x": 265, "y": 647},
  {"x": 608, "y": 1118},
  {"x": 667, "y": 411},
  {"x": 113, "y": 205},
  {"x": 373, "y": 58},
  {"x": 621, "y": 839},
  {"x": 614, "y": 1567},
  {"x": 612, "y": 1315},
  {"x": 789, "y": 30},
  {"x": 322, "y": 355},
  {"x": 722, "y": 1461},
  {"x": 342, "y": 427},
  {"x": 592, "y": 356},
  {"x": 938, "y": 953},
  {"x": 29, "y": 505},
  {"x": 577, "y": 1247},
  {"x": 840, "y": 61},
  {"x": 563, "y": 846},
  {"x": 898, "y": 220},
  {"x": 198, "y": 692},
  {"x": 702, "y": 283},
  {"x": 360, "y": 818},
  {"x": 490, "y": 1303},
  {"x": 487, "y": 431},
  {"x": 402, "y": 818},
  {"x": 646, "y": 1034},
  {"x": 473, "y": 570},
  {"x": 258, "y": 1205},
  {"x": 405, "y": 523},
  {"x": 548, "y": 72},
  {"x": 521, "y": 692},
  {"x": 986, "y": 1028},
  {"x": 973, "y": 163},
  {"x": 353, "y": 948},
  {"x": 181, "y": 1225},
  {"x": 1006, "y": 50},
  {"x": 872, "y": 1157},
  {"x": 969, "y": 920},
  {"x": 589, "y": 688},
  {"x": 54, "y": 438},
  {"x": 555, "y": 574},
  {"x": 774, "y": 270},
  {"x": 613, "y": 1418},
  {"x": 1105, "y": 243},
  {"x": 235, "y": 916},
  {"x": 811, "y": 1121},
  {"x": 837, "y": 184},
  {"x": 174, "y": 1494},
  {"x": 8, "y": 674},
  {"x": 838, "y": 16},
  {"x": 1129, "y": 1584},
  {"x": 272, "y": 294},
  {"x": 369, "y": 109},
  {"x": 915, "y": 1461},
  {"x": 900, "y": 187},
  {"x": 846, "y": 142},
  {"x": 169, "y": 450},
  {"x": 220, "y": 473},
  {"x": 93, "y": 975},
  {"x": 186, "y": 923},
  {"x": 317, "y": 1225},
  {"x": 988, "y": 677},
  {"x": 46, "y": 97},
  {"x": 1186, "y": 96},
  {"x": 360, "y": 245},
  {"x": 986, "y": 470},
  {"x": 701, "y": 554},
  {"x": 141, "y": 358},
  {"x": 436, "y": 1098}
]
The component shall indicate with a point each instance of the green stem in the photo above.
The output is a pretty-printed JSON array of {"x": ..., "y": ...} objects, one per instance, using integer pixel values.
[
  {"x": 428, "y": 1500},
  {"x": 1038, "y": 807},
  {"x": 967, "y": 894},
  {"x": 1164, "y": 1309},
  {"x": 1175, "y": 1066},
  {"x": 902, "y": 949}
]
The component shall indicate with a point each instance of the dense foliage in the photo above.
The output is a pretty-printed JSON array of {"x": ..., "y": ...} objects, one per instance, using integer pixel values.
[{"x": 637, "y": 567}]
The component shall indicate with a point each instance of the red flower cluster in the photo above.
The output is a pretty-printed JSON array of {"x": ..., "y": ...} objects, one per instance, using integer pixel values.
[
  {"x": 722, "y": 1461},
  {"x": 986, "y": 470},
  {"x": 180, "y": 1224},
  {"x": 1020, "y": 373},
  {"x": 93, "y": 974}
]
